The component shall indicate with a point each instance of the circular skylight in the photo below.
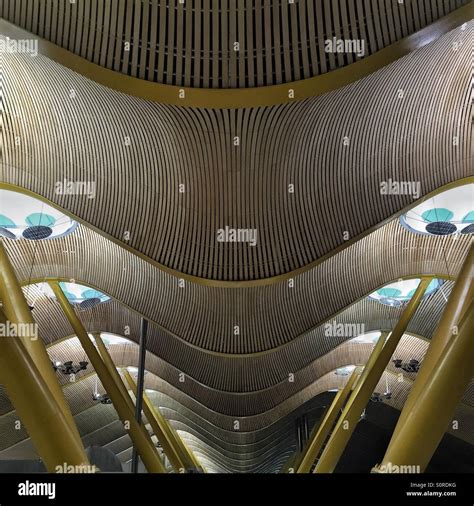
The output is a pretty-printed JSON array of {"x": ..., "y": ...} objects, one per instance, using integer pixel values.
[
  {"x": 367, "y": 338},
  {"x": 134, "y": 370},
  {"x": 111, "y": 339},
  {"x": 395, "y": 294},
  {"x": 82, "y": 295},
  {"x": 24, "y": 217},
  {"x": 450, "y": 212},
  {"x": 345, "y": 371}
]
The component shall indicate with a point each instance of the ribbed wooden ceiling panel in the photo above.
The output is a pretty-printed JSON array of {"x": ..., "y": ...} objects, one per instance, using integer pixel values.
[
  {"x": 192, "y": 43},
  {"x": 250, "y": 450},
  {"x": 111, "y": 139}
]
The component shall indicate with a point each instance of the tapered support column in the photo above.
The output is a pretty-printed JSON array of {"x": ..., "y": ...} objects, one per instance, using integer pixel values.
[
  {"x": 426, "y": 422},
  {"x": 37, "y": 408},
  {"x": 459, "y": 299},
  {"x": 140, "y": 437},
  {"x": 109, "y": 363},
  {"x": 18, "y": 312},
  {"x": 160, "y": 428},
  {"x": 328, "y": 421},
  {"x": 364, "y": 388}
]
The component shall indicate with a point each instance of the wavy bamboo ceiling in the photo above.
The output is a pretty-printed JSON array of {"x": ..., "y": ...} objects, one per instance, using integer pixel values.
[
  {"x": 168, "y": 177},
  {"x": 111, "y": 139}
]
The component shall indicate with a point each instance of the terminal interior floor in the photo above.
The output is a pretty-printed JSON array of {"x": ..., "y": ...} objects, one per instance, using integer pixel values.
[{"x": 236, "y": 236}]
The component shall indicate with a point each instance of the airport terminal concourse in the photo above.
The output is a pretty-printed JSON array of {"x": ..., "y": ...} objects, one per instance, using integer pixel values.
[{"x": 236, "y": 236}]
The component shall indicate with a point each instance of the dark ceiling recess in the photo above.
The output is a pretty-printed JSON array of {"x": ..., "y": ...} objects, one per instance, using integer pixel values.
[{"x": 192, "y": 45}]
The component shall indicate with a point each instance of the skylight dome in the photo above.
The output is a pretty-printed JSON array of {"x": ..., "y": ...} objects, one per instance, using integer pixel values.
[
  {"x": 367, "y": 338},
  {"x": 450, "y": 212},
  {"x": 24, "y": 217},
  {"x": 112, "y": 339},
  {"x": 345, "y": 371},
  {"x": 83, "y": 295},
  {"x": 395, "y": 294}
]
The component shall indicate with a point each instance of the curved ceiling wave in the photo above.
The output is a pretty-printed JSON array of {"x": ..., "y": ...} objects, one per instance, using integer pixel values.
[
  {"x": 243, "y": 404},
  {"x": 79, "y": 396},
  {"x": 268, "y": 316},
  {"x": 282, "y": 182},
  {"x": 241, "y": 452},
  {"x": 237, "y": 45},
  {"x": 212, "y": 376},
  {"x": 337, "y": 352}
]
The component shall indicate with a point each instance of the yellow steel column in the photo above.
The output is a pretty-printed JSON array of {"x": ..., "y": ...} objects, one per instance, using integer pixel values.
[
  {"x": 328, "y": 421},
  {"x": 459, "y": 299},
  {"x": 109, "y": 363},
  {"x": 139, "y": 436},
  {"x": 415, "y": 442},
  {"x": 18, "y": 312},
  {"x": 364, "y": 388},
  {"x": 162, "y": 430},
  {"x": 169, "y": 451},
  {"x": 37, "y": 408}
]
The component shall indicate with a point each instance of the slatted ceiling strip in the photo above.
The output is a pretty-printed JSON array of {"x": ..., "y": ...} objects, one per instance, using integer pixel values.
[
  {"x": 267, "y": 42},
  {"x": 392, "y": 13},
  {"x": 23, "y": 13},
  {"x": 65, "y": 32},
  {"x": 143, "y": 41},
  {"x": 303, "y": 44},
  {"x": 395, "y": 13},
  {"x": 119, "y": 44},
  {"x": 244, "y": 56},
  {"x": 336, "y": 30},
  {"x": 368, "y": 27},
  {"x": 180, "y": 43},
  {"x": 231, "y": 40},
  {"x": 135, "y": 41},
  {"x": 16, "y": 10},
  {"x": 215, "y": 60},
  {"x": 348, "y": 31},
  {"x": 277, "y": 41},
  {"x": 70, "y": 21},
  {"x": 430, "y": 7},
  {"x": 108, "y": 43},
  {"x": 57, "y": 23},
  {"x": 127, "y": 35},
  {"x": 415, "y": 15},
  {"x": 423, "y": 13},
  {"x": 258, "y": 45},
  {"x": 205, "y": 29},
  {"x": 98, "y": 31},
  {"x": 154, "y": 48},
  {"x": 82, "y": 29},
  {"x": 41, "y": 13},
  {"x": 195, "y": 54},
  {"x": 103, "y": 38},
  {"x": 161, "y": 49},
  {"x": 438, "y": 9},
  {"x": 225, "y": 46},
  {"x": 382, "y": 20},
  {"x": 328, "y": 33},
  {"x": 170, "y": 43},
  {"x": 294, "y": 40},
  {"x": 320, "y": 30}
]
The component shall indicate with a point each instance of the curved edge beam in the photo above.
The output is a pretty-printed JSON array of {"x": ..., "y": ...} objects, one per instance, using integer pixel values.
[
  {"x": 234, "y": 98},
  {"x": 246, "y": 283}
]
